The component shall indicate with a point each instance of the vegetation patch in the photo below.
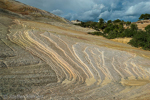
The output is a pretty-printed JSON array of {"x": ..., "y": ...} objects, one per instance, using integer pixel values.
[{"x": 116, "y": 29}]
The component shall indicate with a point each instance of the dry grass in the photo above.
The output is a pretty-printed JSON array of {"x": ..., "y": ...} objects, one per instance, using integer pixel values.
[{"x": 122, "y": 40}]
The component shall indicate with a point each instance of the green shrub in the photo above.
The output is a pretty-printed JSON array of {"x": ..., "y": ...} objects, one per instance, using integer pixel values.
[
  {"x": 147, "y": 28},
  {"x": 128, "y": 23},
  {"x": 128, "y": 33},
  {"x": 96, "y": 33},
  {"x": 101, "y": 24},
  {"x": 134, "y": 27},
  {"x": 112, "y": 34},
  {"x": 141, "y": 39},
  {"x": 144, "y": 16},
  {"x": 117, "y": 21},
  {"x": 115, "y": 29},
  {"x": 109, "y": 22}
]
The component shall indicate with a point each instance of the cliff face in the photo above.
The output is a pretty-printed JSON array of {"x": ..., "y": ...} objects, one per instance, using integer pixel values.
[{"x": 60, "y": 61}]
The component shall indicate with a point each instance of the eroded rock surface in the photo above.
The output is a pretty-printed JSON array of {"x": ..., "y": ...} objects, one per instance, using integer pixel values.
[
  {"x": 60, "y": 61},
  {"x": 20, "y": 71},
  {"x": 50, "y": 62}
]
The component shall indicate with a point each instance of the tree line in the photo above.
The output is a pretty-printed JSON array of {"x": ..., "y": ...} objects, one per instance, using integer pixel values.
[{"x": 114, "y": 29}]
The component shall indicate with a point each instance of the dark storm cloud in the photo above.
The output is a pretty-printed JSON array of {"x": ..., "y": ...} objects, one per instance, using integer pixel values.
[{"x": 85, "y": 10}]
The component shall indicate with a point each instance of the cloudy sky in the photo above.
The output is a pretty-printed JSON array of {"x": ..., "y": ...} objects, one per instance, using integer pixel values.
[{"x": 92, "y": 10}]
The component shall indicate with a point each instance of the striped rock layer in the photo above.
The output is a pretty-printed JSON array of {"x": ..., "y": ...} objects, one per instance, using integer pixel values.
[{"x": 47, "y": 62}]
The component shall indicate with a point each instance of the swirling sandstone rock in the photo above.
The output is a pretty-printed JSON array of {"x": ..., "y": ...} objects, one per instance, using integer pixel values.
[
  {"x": 75, "y": 67},
  {"x": 60, "y": 61}
]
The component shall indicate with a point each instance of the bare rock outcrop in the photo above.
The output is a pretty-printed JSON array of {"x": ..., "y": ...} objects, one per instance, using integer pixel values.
[{"x": 58, "y": 61}]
